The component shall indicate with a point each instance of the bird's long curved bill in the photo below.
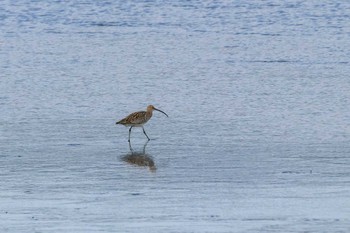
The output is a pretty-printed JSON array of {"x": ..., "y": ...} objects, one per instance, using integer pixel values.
[{"x": 161, "y": 112}]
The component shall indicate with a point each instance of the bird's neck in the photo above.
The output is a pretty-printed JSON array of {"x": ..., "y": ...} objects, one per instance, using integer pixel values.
[{"x": 148, "y": 115}]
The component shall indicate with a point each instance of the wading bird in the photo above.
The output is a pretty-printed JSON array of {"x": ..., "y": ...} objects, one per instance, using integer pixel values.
[{"x": 138, "y": 119}]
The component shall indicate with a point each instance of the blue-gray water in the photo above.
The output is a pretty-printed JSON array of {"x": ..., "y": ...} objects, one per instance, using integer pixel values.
[{"x": 257, "y": 94}]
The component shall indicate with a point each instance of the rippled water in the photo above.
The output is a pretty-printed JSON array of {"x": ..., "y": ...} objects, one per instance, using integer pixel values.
[{"x": 257, "y": 94}]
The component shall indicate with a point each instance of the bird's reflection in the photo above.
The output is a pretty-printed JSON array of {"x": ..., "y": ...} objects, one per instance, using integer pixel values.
[{"x": 140, "y": 158}]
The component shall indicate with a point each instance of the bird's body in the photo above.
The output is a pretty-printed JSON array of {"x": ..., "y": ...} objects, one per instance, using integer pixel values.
[{"x": 138, "y": 119}]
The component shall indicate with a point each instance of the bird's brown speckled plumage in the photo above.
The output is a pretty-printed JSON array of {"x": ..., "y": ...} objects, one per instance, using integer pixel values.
[{"x": 136, "y": 118}]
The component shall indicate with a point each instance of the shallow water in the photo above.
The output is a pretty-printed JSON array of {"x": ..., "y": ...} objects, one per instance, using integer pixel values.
[{"x": 257, "y": 138}]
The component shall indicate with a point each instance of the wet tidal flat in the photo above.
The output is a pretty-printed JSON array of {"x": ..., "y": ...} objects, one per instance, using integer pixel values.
[{"x": 257, "y": 138}]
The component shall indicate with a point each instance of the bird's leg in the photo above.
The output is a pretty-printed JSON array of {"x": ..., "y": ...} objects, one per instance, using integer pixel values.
[
  {"x": 145, "y": 133},
  {"x": 129, "y": 133},
  {"x": 132, "y": 151},
  {"x": 144, "y": 147}
]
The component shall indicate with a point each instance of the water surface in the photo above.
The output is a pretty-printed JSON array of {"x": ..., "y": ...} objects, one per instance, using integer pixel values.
[{"x": 257, "y": 138}]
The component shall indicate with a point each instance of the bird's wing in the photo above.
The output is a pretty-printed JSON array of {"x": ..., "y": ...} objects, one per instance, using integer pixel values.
[{"x": 134, "y": 118}]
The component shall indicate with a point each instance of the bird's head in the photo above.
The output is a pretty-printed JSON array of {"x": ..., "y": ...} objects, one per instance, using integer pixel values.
[{"x": 150, "y": 108}]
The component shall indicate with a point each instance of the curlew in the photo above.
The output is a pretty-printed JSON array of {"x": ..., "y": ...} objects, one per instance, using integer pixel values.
[{"x": 138, "y": 119}]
